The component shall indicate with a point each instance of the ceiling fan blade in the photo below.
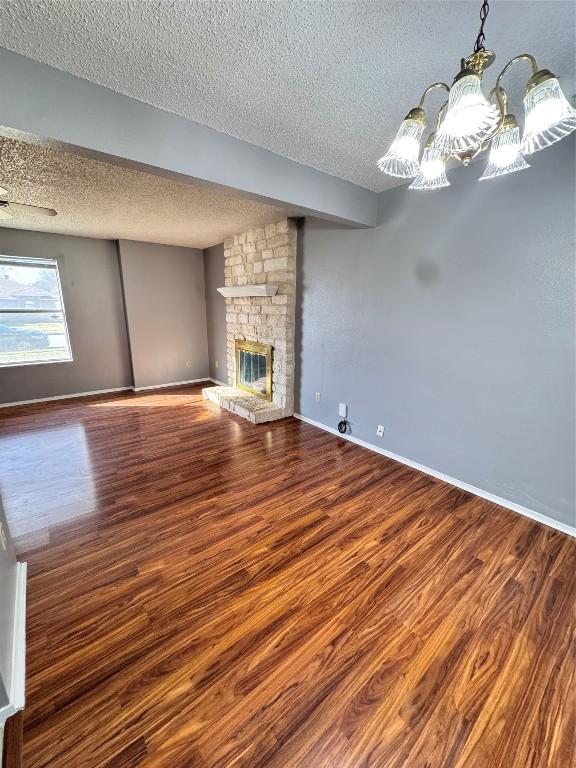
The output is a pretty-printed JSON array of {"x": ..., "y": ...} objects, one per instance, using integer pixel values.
[
  {"x": 30, "y": 210},
  {"x": 5, "y": 214}
]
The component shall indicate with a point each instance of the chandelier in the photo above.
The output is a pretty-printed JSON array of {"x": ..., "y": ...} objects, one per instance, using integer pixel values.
[{"x": 469, "y": 123}]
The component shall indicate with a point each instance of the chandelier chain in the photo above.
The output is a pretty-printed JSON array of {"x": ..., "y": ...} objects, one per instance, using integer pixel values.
[{"x": 484, "y": 10}]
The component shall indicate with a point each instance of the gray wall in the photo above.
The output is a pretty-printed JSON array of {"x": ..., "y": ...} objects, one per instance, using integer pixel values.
[
  {"x": 92, "y": 293},
  {"x": 216, "y": 312},
  {"x": 8, "y": 572},
  {"x": 165, "y": 312},
  {"x": 452, "y": 324}
]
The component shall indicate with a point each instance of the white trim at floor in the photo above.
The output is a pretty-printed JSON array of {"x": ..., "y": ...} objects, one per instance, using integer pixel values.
[
  {"x": 549, "y": 521},
  {"x": 65, "y": 397},
  {"x": 17, "y": 682},
  {"x": 219, "y": 383},
  {"x": 171, "y": 384},
  {"x": 107, "y": 392}
]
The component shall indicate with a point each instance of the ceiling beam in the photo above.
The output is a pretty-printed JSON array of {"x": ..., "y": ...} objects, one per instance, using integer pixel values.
[{"x": 38, "y": 100}]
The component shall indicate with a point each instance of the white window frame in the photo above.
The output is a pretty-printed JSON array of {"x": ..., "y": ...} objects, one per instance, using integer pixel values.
[{"x": 30, "y": 261}]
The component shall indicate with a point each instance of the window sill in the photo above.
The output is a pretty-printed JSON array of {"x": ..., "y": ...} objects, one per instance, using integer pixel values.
[{"x": 35, "y": 362}]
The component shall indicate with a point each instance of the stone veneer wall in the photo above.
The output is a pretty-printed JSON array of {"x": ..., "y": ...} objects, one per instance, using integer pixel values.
[{"x": 265, "y": 255}]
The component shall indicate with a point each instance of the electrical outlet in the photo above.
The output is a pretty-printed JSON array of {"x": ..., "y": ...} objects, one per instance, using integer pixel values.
[
  {"x": 317, "y": 397},
  {"x": 3, "y": 540},
  {"x": 343, "y": 410},
  {"x": 188, "y": 363},
  {"x": 215, "y": 363},
  {"x": 380, "y": 431}
]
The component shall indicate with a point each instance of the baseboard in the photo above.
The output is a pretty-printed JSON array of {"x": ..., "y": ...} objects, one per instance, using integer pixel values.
[
  {"x": 66, "y": 397},
  {"x": 550, "y": 522},
  {"x": 171, "y": 384},
  {"x": 17, "y": 682},
  {"x": 105, "y": 392},
  {"x": 17, "y": 688},
  {"x": 219, "y": 383}
]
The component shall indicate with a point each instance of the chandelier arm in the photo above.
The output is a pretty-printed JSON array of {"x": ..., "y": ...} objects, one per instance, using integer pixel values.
[
  {"x": 501, "y": 95},
  {"x": 523, "y": 57},
  {"x": 431, "y": 88},
  {"x": 441, "y": 112},
  {"x": 502, "y": 99}
]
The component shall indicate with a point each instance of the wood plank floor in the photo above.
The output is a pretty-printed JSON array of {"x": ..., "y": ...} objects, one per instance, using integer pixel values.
[{"x": 203, "y": 593}]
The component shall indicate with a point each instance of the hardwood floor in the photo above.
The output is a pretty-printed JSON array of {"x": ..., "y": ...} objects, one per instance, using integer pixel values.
[
  {"x": 12, "y": 747},
  {"x": 203, "y": 593}
]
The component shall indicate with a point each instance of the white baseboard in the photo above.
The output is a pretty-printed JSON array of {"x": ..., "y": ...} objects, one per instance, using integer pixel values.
[
  {"x": 17, "y": 683},
  {"x": 219, "y": 383},
  {"x": 171, "y": 384},
  {"x": 66, "y": 397},
  {"x": 550, "y": 522},
  {"x": 105, "y": 392},
  {"x": 19, "y": 640}
]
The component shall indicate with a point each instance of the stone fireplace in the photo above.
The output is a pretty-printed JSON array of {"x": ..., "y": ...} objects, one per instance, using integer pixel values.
[{"x": 260, "y": 295}]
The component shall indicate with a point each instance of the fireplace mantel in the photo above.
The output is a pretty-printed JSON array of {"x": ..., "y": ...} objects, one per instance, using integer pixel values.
[{"x": 266, "y": 289}]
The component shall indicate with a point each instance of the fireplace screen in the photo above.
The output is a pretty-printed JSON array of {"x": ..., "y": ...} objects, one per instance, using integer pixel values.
[{"x": 254, "y": 368}]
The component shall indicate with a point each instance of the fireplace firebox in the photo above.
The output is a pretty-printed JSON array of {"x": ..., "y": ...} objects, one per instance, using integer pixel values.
[{"x": 254, "y": 368}]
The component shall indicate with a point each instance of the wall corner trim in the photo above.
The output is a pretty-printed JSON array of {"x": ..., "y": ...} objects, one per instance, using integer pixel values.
[
  {"x": 18, "y": 680},
  {"x": 511, "y": 505}
]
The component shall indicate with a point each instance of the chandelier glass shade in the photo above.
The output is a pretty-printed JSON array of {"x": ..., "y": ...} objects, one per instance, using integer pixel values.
[
  {"x": 432, "y": 172},
  {"x": 470, "y": 118},
  {"x": 549, "y": 116},
  {"x": 471, "y": 123},
  {"x": 401, "y": 160},
  {"x": 505, "y": 151}
]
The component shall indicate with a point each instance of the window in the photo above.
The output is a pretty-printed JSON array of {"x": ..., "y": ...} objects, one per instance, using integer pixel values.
[{"x": 32, "y": 320}]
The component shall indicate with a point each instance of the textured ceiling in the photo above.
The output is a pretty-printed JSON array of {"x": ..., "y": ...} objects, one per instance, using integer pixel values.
[
  {"x": 323, "y": 83},
  {"x": 98, "y": 199}
]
